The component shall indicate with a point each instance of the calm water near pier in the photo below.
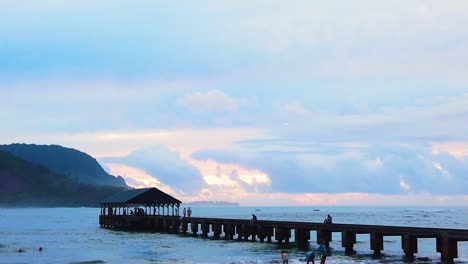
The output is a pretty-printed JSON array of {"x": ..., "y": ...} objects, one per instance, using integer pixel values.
[{"x": 71, "y": 235}]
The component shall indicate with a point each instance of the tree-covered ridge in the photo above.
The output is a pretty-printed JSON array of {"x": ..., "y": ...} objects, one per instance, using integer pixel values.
[
  {"x": 23, "y": 183},
  {"x": 74, "y": 164}
]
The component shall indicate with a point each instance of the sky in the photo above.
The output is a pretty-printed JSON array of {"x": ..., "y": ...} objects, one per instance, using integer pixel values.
[{"x": 258, "y": 102}]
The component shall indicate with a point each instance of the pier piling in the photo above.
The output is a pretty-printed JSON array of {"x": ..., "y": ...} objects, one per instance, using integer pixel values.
[{"x": 348, "y": 239}]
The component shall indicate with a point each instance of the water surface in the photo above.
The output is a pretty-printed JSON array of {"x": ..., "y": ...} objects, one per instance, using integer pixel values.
[{"x": 73, "y": 235}]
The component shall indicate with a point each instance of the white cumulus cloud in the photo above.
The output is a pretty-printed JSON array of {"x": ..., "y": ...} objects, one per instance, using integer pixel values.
[{"x": 213, "y": 100}]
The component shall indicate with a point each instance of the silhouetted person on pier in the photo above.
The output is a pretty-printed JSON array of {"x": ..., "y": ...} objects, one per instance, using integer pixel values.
[
  {"x": 253, "y": 221},
  {"x": 328, "y": 220},
  {"x": 189, "y": 212},
  {"x": 185, "y": 212},
  {"x": 139, "y": 211}
]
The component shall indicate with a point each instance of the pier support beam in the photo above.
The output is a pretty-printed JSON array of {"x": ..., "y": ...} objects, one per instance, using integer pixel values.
[
  {"x": 409, "y": 245},
  {"x": 279, "y": 236},
  {"x": 216, "y": 230},
  {"x": 158, "y": 223},
  {"x": 448, "y": 249},
  {"x": 184, "y": 227},
  {"x": 229, "y": 231},
  {"x": 254, "y": 232},
  {"x": 348, "y": 239},
  {"x": 194, "y": 228},
  {"x": 245, "y": 232},
  {"x": 205, "y": 229},
  {"x": 261, "y": 233},
  {"x": 166, "y": 225},
  {"x": 301, "y": 237},
  {"x": 282, "y": 233},
  {"x": 376, "y": 243},
  {"x": 324, "y": 235},
  {"x": 268, "y": 232},
  {"x": 175, "y": 226}
]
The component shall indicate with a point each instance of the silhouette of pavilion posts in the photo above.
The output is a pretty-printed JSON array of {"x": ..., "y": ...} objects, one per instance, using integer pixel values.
[{"x": 137, "y": 208}]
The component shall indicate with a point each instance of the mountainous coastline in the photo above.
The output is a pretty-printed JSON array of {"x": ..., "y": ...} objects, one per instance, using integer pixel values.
[
  {"x": 23, "y": 183},
  {"x": 76, "y": 165},
  {"x": 39, "y": 175}
]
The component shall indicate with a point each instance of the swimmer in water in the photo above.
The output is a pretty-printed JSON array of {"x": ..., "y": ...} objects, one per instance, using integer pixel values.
[{"x": 284, "y": 257}]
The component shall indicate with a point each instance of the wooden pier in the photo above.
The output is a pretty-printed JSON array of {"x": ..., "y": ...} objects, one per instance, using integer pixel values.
[
  {"x": 154, "y": 210},
  {"x": 286, "y": 232}
]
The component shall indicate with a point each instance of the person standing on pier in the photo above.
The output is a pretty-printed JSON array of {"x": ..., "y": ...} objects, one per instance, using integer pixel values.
[
  {"x": 185, "y": 212},
  {"x": 189, "y": 212}
]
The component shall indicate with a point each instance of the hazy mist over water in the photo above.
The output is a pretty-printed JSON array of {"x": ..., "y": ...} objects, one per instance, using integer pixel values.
[{"x": 70, "y": 235}]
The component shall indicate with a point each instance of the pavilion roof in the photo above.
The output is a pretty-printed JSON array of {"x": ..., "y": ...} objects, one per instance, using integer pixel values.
[{"x": 145, "y": 196}]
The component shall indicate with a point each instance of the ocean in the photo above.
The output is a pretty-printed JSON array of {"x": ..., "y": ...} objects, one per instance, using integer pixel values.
[{"x": 73, "y": 235}]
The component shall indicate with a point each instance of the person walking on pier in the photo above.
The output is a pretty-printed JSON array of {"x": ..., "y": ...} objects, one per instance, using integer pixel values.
[{"x": 284, "y": 256}]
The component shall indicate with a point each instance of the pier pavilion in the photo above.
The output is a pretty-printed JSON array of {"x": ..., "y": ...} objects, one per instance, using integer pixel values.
[{"x": 126, "y": 209}]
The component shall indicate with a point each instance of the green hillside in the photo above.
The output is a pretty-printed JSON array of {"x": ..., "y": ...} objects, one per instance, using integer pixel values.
[
  {"x": 23, "y": 183},
  {"x": 76, "y": 165}
]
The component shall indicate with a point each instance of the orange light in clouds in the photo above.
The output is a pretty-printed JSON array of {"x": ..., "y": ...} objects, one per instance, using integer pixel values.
[
  {"x": 139, "y": 178},
  {"x": 457, "y": 149},
  {"x": 226, "y": 174}
]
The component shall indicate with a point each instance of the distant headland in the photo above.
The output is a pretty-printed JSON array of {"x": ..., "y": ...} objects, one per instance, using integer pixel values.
[
  {"x": 51, "y": 175},
  {"x": 211, "y": 203}
]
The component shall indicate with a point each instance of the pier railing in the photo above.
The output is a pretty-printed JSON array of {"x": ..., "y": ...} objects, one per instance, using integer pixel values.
[{"x": 285, "y": 232}]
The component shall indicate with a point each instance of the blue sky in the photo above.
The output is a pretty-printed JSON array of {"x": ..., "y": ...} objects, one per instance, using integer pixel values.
[{"x": 262, "y": 102}]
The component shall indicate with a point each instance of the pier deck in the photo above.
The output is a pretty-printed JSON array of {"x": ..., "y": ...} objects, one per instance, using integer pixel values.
[{"x": 285, "y": 232}]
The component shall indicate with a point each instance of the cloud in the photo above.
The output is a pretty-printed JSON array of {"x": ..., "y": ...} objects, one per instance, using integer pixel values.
[
  {"x": 294, "y": 108},
  {"x": 166, "y": 166},
  {"x": 91, "y": 104},
  {"x": 137, "y": 178},
  {"x": 382, "y": 169},
  {"x": 211, "y": 101},
  {"x": 313, "y": 94},
  {"x": 436, "y": 120}
]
